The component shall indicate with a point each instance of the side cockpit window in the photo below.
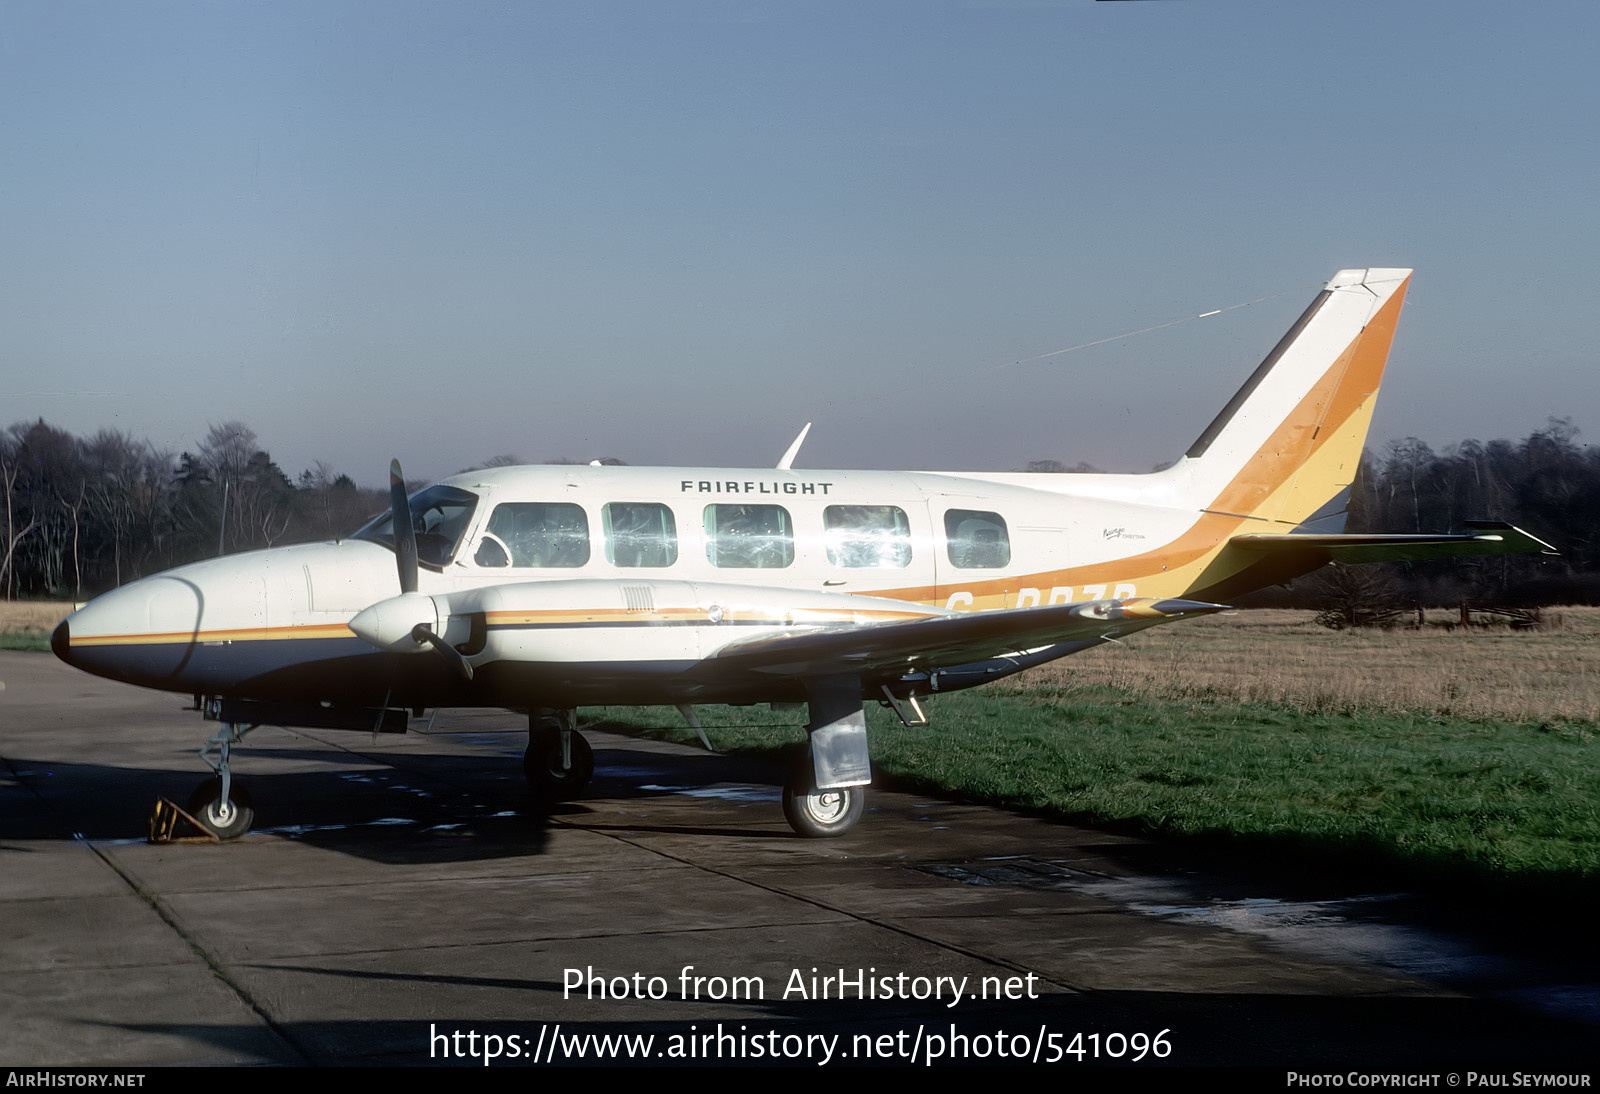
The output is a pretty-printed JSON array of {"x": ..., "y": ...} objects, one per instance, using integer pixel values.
[
  {"x": 749, "y": 537},
  {"x": 440, "y": 516},
  {"x": 976, "y": 540},
  {"x": 639, "y": 534},
  {"x": 867, "y": 536},
  {"x": 551, "y": 535}
]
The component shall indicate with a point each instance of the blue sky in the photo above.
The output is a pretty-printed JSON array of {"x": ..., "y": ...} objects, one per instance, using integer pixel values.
[{"x": 675, "y": 232}]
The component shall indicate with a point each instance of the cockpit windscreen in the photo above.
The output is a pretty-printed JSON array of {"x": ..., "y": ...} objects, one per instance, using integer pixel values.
[{"x": 440, "y": 515}]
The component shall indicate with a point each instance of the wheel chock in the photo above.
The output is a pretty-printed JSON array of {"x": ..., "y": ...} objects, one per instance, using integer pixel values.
[{"x": 164, "y": 823}]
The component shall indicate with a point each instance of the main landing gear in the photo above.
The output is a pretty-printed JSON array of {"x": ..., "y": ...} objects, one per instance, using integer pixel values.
[
  {"x": 558, "y": 763},
  {"x": 820, "y": 814},
  {"x": 824, "y": 796},
  {"x": 827, "y": 791}
]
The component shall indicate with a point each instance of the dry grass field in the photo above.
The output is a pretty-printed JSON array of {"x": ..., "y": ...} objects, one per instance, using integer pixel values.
[
  {"x": 26, "y": 624},
  {"x": 1283, "y": 657}
]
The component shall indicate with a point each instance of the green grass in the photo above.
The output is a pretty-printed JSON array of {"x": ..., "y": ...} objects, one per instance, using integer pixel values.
[
  {"x": 1444, "y": 799},
  {"x": 32, "y": 641}
]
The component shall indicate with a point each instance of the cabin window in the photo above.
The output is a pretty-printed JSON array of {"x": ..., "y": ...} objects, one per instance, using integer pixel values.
[
  {"x": 440, "y": 516},
  {"x": 975, "y": 540},
  {"x": 867, "y": 536},
  {"x": 639, "y": 534},
  {"x": 749, "y": 537},
  {"x": 552, "y": 535}
]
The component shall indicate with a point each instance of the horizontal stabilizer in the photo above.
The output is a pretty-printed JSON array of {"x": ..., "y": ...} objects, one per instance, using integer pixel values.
[
  {"x": 1488, "y": 537},
  {"x": 950, "y": 640}
]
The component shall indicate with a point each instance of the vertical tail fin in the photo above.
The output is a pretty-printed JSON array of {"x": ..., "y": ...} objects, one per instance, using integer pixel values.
[{"x": 1285, "y": 448}]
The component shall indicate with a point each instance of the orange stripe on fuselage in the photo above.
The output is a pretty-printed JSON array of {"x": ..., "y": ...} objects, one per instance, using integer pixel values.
[
  {"x": 242, "y": 634},
  {"x": 547, "y": 618},
  {"x": 557, "y": 617}
]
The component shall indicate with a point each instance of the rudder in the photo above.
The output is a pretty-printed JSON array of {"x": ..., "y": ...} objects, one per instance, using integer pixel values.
[{"x": 1289, "y": 441}]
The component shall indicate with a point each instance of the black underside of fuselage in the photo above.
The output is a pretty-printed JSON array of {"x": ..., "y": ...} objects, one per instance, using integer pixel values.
[{"x": 348, "y": 672}]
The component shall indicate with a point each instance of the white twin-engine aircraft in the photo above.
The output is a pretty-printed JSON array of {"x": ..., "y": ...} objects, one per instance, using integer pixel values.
[{"x": 553, "y": 587}]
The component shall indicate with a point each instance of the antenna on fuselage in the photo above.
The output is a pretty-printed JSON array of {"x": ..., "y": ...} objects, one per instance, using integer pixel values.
[{"x": 794, "y": 450}]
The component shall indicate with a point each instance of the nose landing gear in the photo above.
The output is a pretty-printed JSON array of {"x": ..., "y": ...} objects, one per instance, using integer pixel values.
[
  {"x": 223, "y": 808},
  {"x": 224, "y": 817}
]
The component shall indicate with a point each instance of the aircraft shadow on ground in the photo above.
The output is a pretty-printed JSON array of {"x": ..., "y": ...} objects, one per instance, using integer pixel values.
[{"x": 404, "y": 808}]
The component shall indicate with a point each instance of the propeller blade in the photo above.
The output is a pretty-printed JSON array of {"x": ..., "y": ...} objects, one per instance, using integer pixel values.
[
  {"x": 422, "y": 634},
  {"x": 405, "y": 533}
]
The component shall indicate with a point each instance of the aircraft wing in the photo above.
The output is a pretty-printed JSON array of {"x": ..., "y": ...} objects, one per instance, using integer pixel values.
[
  {"x": 950, "y": 640},
  {"x": 1488, "y": 537}
]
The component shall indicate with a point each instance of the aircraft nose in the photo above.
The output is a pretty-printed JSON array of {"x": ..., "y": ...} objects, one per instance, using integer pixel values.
[{"x": 143, "y": 633}]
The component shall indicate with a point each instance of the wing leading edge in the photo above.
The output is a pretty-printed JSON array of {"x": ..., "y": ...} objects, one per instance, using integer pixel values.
[{"x": 947, "y": 641}]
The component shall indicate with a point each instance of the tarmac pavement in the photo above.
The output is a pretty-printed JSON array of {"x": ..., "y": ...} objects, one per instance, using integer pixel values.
[{"x": 397, "y": 904}]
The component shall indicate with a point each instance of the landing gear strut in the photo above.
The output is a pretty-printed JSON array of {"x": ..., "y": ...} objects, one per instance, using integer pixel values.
[
  {"x": 224, "y": 808},
  {"x": 827, "y": 791},
  {"x": 558, "y": 763}
]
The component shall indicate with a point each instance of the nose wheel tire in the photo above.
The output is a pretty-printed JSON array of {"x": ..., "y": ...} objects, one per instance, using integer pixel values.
[
  {"x": 224, "y": 819},
  {"x": 820, "y": 814},
  {"x": 541, "y": 765}
]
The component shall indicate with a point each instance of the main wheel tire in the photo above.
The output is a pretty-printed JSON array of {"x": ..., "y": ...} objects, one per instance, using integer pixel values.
[
  {"x": 224, "y": 819},
  {"x": 820, "y": 814},
  {"x": 541, "y": 765}
]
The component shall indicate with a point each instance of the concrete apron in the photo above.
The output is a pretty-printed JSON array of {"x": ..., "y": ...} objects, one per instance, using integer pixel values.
[{"x": 396, "y": 905}]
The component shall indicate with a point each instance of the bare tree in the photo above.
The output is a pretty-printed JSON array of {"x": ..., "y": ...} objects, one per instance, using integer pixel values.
[{"x": 8, "y": 479}]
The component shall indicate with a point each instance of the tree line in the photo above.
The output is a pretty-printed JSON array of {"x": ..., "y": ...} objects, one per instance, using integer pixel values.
[
  {"x": 85, "y": 514},
  {"x": 1547, "y": 484}
]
